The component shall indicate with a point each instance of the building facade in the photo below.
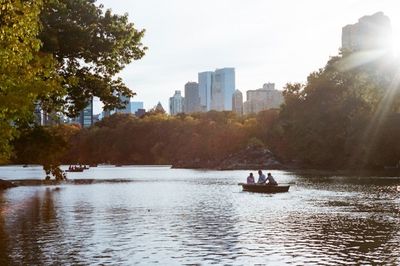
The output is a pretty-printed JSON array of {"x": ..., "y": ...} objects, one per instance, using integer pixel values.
[
  {"x": 176, "y": 103},
  {"x": 192, "y": 98},
  {"x": 135, "y": 106},
  {"x": 205, "y": 84},
  {"x": 369, "y": 33},
  {"x": 85, "y": 118},
  {"x": 222, "y": 89},
  {"x": 262, "y": 99},
  {"x": 140, "y": 112},
  {"x": 237, "y": 102}
]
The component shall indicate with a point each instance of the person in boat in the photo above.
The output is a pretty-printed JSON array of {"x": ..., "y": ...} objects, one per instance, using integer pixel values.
[
  {"x": 250, "y": 179},
  {"x": 271, "y": 181},
  {"x": 261, "y": 177}
]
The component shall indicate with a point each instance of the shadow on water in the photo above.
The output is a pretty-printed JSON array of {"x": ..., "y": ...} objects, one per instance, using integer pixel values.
[
  {"x": 4, "y": 237},
  {"x": 25, "y": 229}
]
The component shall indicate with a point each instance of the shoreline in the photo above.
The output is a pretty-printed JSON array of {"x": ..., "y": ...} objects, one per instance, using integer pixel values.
[{"x": 309, "y": 173}]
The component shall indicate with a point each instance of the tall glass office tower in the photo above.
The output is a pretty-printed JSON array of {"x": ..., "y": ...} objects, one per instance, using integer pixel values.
[
  {"x": 216, "y": 89},
  {"x": 205, "y": 83},
  {"x": 222, "y": 89}
]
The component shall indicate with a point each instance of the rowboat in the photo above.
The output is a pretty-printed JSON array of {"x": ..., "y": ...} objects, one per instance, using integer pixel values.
[
  {"x": 263, "y": 188},
  {"x": 75, "y": 170}
]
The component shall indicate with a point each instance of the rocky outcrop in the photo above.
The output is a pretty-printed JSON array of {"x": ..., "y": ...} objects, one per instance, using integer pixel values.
[
  {"x": 196, "y": 164},
  {"x": 251, "y": 158},
  {"x": 4, "y": 184}
]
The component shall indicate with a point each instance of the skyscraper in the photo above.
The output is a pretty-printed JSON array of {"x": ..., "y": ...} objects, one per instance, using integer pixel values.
[
  {"x": 237, "y": 102},
  {"x": 370, "y": 33},
  {"x": 176, "y": 103},
  {"x": 222, "y": 89},
  {"x": 205, "y": 84},
  {"x": 85, "y": 118},
  {"x": 192, "y": 98}
]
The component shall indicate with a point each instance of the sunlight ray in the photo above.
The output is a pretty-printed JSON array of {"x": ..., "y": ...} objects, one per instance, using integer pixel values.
[
  {"x": 385, "y": 105},
  {"x": 360, "y": 58}
]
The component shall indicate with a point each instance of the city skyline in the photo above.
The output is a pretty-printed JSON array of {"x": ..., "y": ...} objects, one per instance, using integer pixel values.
[{"x": 262, "y": 40}]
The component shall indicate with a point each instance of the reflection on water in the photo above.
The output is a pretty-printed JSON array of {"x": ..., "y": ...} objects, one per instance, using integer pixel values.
[{"x": 170, "y": 216}]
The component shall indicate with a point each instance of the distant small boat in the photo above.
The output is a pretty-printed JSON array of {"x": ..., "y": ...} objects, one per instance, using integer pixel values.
[
  {"x": 263, "y": 188},
  {"x": 75, "y": 170}
]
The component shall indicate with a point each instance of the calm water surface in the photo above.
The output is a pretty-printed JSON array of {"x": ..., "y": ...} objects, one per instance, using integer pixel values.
[{"x": 174, "y": 216}]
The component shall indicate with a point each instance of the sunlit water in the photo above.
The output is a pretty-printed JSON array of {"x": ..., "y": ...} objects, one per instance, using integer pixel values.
[{"x": 174, "y": 216}]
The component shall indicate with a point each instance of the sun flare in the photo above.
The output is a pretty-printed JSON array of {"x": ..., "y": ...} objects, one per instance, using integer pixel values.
[
  {"x": 396, "y": 42},
  {"x": 395, "y": 21}
]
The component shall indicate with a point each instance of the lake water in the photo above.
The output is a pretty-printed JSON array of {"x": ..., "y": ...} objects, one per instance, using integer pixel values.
[{"x": 176, "y": 216}]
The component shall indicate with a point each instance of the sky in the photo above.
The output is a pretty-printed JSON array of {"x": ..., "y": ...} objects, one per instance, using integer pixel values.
[{"x": 265, "y": 41}]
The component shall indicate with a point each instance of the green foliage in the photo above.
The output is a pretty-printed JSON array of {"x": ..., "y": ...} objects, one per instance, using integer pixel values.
[
  {"x": 25, "y": 73},
  {"x": 91, "y": 47}
]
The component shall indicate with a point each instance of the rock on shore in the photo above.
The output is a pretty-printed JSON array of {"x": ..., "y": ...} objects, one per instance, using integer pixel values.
[{"x": 251, "y": 158}]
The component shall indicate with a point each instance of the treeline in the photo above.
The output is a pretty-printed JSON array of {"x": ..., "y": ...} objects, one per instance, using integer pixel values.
[{"x": 162, "y": 139}]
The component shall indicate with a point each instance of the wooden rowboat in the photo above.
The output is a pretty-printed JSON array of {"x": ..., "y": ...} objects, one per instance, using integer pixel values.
[{"x": 262, "y": 188}]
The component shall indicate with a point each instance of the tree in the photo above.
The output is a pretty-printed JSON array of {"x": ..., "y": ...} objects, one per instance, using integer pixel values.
[
  {"x": 59, "y": 54},
  {"x": 25, "y": 73},
  {"x": 91, "y": 47},
  {"x": 45, "y": 146},
  {"x": 335, "y": 119}
]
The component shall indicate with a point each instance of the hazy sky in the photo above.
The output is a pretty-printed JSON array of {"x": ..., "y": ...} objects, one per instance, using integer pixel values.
[{"x": 265, "y": 41}]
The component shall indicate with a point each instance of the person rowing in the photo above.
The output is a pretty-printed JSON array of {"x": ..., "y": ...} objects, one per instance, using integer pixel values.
[{"x": 271, "y": 181}]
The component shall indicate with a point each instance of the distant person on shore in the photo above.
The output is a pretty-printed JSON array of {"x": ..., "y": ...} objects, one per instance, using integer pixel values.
[
  {"x": 250, "y": 179},
  {"x": 261, "y": 177},
  {"x": 271, "y": 180}
]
